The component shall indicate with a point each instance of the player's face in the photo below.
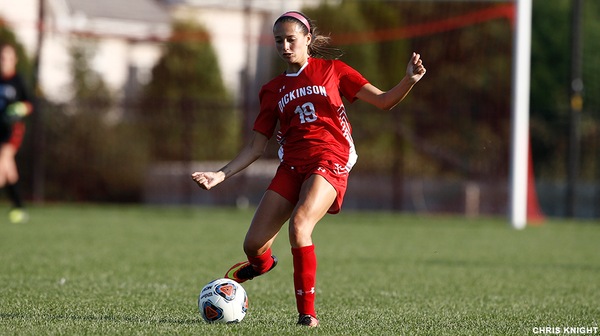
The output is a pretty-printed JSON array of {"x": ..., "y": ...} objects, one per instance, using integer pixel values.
[
  {"x": 291, "y": 44},
  {"x": 8, "y": 60}
]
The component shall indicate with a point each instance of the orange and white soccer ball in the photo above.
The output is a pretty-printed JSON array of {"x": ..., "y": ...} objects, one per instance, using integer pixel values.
[{"x": 223, "y": 301}]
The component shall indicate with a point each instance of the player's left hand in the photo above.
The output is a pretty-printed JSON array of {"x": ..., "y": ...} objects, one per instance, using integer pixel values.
[{"x": 415, "y": 69}]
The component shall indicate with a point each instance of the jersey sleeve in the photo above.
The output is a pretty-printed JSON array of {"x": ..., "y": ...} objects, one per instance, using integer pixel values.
[
  {"x": 267, "y": 118},
  {"x": 17, "y": 134},
  {"x": 351, "y": 81}
]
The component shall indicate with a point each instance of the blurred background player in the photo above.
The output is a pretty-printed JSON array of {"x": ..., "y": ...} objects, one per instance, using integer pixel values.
[
  {"x": 316, "y": 153},
  {"x": 14, "y": 106}
]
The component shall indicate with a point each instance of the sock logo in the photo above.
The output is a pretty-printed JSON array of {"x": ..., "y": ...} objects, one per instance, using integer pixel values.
[{"x": 301, "y": 292}]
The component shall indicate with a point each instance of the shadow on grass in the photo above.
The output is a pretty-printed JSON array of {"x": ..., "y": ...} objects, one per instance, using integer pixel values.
[{"x": 99, "y": 318}]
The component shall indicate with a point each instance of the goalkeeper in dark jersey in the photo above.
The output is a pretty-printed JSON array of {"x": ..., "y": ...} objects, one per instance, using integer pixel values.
[{"x": 14, "y": 106}]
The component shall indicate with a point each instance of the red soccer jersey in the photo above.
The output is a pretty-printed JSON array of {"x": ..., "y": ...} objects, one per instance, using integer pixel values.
[{"x": 312, "y": 118}]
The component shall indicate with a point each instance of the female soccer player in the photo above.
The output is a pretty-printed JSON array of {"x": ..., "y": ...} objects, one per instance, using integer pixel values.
[
  {"x": 14, "y": 105},
  {"x": 316, "y": 153}
]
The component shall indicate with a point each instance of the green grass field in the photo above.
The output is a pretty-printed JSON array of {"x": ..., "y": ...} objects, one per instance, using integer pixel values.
[{"x": 133, "y": 270}]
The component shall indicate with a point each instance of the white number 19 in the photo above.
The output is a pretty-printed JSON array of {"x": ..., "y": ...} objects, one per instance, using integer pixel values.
[{"x": 306, "y": 112}]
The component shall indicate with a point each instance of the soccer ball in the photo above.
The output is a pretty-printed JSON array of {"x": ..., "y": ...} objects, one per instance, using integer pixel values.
[{"x": 223, "y": 301}]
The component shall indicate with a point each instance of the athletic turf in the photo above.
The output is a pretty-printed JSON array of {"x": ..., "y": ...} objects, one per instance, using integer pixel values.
[{"x": 134, "y": 270}]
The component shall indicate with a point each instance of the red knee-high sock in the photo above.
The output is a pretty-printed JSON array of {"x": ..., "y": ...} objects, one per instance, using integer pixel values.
[
  {"x": 305, "y": 273},
  {"x": 261, "y": 263}
]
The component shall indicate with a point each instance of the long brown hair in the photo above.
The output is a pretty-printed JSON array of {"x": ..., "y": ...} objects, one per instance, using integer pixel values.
[{"x": 320, "y": 44}]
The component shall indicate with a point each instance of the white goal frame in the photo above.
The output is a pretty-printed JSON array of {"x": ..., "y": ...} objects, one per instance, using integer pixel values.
[{"x": 520, "y": 115}]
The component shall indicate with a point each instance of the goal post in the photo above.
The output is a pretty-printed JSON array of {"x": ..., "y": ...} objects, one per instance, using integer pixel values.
[{"x": 520, "y": 115}]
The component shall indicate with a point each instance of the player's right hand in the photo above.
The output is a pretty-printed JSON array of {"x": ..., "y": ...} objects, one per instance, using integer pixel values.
[{"x": 207, "y": 180}]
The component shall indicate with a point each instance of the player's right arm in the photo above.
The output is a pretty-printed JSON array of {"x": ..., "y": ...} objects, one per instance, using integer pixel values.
[{"x": 250, "y": 153}]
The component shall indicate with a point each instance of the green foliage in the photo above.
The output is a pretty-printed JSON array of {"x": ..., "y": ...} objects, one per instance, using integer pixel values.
[
  {"x": 131, "y": 270},
  {"x": 461, "y": 111},
  {"x": 186, "y": 107},
  {"x": 550, "y": 85},
  {"x": 90, "y": 156},
  {"x": 91, "y": 159},
  {"x": 88, "y": 86},
  {"x": 550, "y": 59},
  {"x": 347, "y": 19},
  {"x": 591, "y": 62},
  {"x": 590, "y": 132},
  {"x": 387, "y": 66}
]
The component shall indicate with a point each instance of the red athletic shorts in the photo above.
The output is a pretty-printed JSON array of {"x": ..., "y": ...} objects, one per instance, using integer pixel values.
[{"x": 288, "y": 181}]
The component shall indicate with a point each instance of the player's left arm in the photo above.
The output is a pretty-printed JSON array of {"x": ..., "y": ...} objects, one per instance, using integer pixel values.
[{"x": 386, "y": 100}]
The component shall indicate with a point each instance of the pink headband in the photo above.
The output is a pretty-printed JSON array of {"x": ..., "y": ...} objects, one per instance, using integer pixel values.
[{"x": 298, "y": 17}]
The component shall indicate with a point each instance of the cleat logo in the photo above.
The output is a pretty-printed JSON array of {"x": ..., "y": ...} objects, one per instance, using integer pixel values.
[{"x": 226, "y": 291}]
